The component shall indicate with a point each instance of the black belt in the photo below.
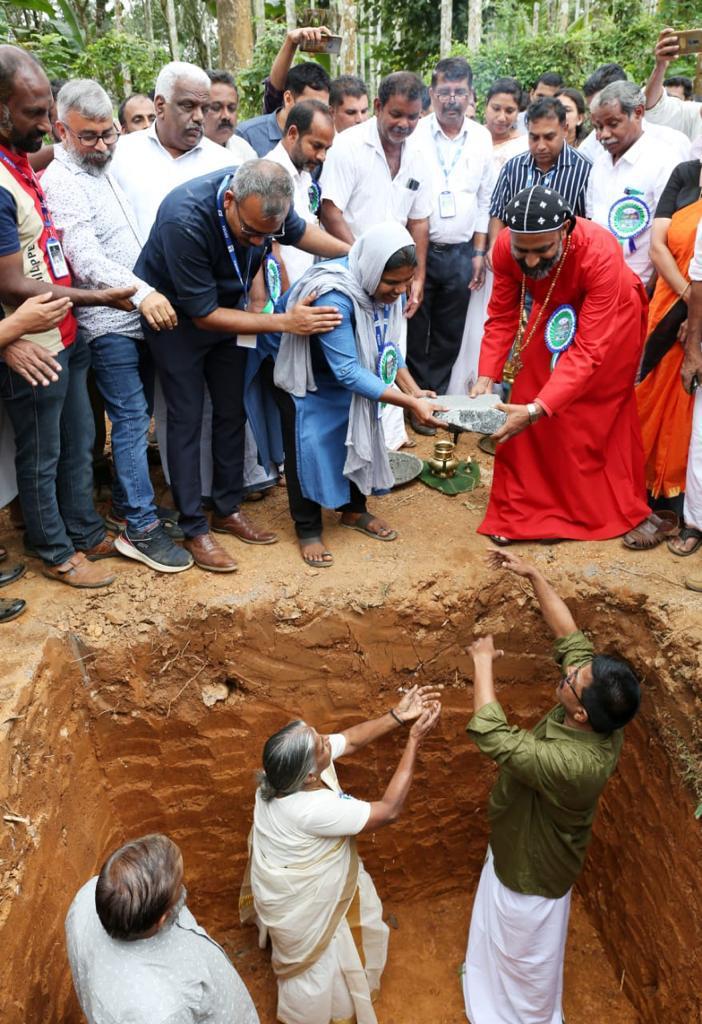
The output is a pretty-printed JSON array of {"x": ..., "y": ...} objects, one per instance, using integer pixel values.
[{"x": 444, "y": 246}]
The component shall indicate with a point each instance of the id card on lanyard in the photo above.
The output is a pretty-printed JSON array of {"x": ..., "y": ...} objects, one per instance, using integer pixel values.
[
  {"x": 545, "y": 181},
  {"x": 54, "y": 249},
  {"x": 447, "y": 199},
  {"x": 242, "y": 340}
]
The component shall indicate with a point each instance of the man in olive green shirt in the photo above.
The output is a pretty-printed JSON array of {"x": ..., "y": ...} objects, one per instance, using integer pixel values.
[{"x": 541, "y": 812}]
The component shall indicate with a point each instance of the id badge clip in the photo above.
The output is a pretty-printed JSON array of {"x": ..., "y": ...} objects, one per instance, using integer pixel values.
[
  {"x": 447, "y": 204},
  {"x": 54, "y": 251}
]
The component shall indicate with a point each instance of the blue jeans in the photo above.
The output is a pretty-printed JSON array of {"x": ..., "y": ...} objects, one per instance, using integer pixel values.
[
  {"x": 54, "y": 435},
  {"x": 116, "y": 362}
]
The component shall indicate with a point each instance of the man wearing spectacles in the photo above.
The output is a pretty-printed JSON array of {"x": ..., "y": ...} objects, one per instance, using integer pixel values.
[
  {"x": 458, "y": 154},
  {"x": 102, "y": 242},
  {"x": 541, "y": 812},
  {"x": 210, "y": 238}
]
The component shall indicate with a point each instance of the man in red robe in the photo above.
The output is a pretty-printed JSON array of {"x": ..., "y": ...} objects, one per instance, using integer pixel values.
[{"x": 569, "y": 462}]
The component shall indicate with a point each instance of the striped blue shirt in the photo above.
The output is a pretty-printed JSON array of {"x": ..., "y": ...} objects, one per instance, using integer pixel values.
[{"x": 568, "y": 176}]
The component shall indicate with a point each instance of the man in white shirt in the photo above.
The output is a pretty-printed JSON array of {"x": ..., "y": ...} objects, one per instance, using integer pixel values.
[
  {"x": 458, "y": 155},
  {"x": 668, "y": 137},
  {"x": 372, "y": 176},
  {"x": 662, "y": 108},
  {"x": 628, "y": 177},
  {"x": 309, "y": 133},
  {"x": 102, "y": 243},
  {"x": 137, "y": 954},
  {"x": 148, "y": 165}
]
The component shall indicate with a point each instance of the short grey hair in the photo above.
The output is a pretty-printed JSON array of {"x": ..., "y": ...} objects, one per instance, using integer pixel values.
[
  {"x": 628, "y": 94},
  {"x": 267, "y": 180},
  {"x": 176, "y": 71},
  {"x": 135, "y": 886},
  {"x": 288, "y": 758},
  {"x": 86, "y": 97}
]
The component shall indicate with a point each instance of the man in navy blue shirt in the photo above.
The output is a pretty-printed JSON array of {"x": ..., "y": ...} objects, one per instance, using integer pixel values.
[
  {"x": 307, "y": 81},
  {"x": 209, "y": 240}
]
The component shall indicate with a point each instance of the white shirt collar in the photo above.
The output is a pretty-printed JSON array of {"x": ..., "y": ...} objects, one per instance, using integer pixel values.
[
  {"x": 283, "y": 158},
  {"x": 152, "y": 133},
  {"x": 436, "y": 129}
]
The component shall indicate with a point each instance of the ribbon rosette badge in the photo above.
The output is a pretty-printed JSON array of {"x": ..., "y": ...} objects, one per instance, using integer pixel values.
[
  {"x": 560, "y": 331},
  {"x": 273, "y": 278},
  {"x": 388, "y": 364},
  {"x": 628, "y": 218}
]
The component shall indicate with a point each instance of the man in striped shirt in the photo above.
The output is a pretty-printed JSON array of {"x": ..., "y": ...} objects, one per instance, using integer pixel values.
[{"x": 549, "y": 162}]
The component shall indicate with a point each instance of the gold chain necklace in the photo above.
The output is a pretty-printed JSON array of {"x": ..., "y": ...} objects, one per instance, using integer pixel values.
[{"x": 514, "y": 363}]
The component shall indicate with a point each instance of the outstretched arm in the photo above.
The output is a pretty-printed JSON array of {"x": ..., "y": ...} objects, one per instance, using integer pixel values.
[
  {"x": 555, "y": 611},
  {"x": 409, "y": 708},
  {"x": 388, "y": 808}
]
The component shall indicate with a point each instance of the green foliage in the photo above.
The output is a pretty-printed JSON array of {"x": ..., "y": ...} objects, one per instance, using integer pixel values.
[{"x": 250, "y": 80}]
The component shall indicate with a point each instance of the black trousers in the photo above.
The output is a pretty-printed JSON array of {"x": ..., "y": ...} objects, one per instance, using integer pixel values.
[
  {"x": 435, "y": 332},
  {"x": 306, "y": 514},
  {"x": 186, "y": 359}
]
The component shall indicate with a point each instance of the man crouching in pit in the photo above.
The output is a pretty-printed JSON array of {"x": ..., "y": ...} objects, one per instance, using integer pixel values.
[
  {"x": 541, "y": 812},
  {"x": 305, "y": 886}
]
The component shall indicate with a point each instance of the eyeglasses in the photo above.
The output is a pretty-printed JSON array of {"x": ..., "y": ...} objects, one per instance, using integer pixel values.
[
  {"x": 250, "y": 232},
  {"x": 567, "y": 680},
  {"x": 444, "y": 95},
  {"x": 91, "y": 139}
]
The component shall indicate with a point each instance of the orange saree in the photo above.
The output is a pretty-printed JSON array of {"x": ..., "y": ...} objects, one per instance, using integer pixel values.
[{"x": 665, "y": 409}]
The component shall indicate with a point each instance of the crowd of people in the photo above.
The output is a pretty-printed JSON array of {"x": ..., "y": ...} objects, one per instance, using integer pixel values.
[{"x": 283, "y": 298}]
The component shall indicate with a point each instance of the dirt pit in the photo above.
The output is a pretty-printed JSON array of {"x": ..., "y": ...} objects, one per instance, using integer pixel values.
[{"x": 147, "y": 710}]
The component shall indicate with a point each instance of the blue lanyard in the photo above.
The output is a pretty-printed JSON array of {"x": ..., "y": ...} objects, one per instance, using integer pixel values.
[
  {"x": 545, "y": 180},
  {"x": 33, "y": 183},
  {"x": 456, "y": 158},
  {"x": 229, "y": 241},
  {"x": 380, "y": 337}
]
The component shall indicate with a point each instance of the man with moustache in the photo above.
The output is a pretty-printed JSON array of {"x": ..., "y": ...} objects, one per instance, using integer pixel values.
[
  {"x": 371, "y": 176},
  {"x": 222, "y": 114},
  {"x": 458, "y": 153},
  {"x": 569, "y": 462},
  {"x": 309, "y": 133},
  {"x": 43, "y": 374},
  {"x": 102, "y": 242}
]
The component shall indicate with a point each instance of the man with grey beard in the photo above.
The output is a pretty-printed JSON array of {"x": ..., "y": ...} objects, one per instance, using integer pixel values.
[
  {"x": 102, "y": 241},
  {"x": 569, "y": 462}
]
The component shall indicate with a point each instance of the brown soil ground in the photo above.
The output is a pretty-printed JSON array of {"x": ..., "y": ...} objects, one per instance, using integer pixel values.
[{"x": 145, "y": 708}]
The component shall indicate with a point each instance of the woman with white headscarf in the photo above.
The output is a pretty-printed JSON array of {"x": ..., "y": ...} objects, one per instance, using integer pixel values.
[{"x": 330, "y": 389}]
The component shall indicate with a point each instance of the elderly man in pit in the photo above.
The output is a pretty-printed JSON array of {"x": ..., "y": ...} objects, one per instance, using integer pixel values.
[
  {"x": 137, "y": 954},
  {"x": 541, "y": 812},
  {"x": 305, "y": 886}
]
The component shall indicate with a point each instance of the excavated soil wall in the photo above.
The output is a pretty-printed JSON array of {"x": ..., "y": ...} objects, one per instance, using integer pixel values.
[{"x": 166, "y": 735}]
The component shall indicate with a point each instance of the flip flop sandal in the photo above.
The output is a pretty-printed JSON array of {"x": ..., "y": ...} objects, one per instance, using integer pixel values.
[
  {"x": 687, "y": 533},
  {"x": 652, "y": 532},
  {"x": 315, "y": 563},
  {"x": 487, "y": 445},
  {"x": 501, "y": 542},
  {"x": 362, "y": 523}
]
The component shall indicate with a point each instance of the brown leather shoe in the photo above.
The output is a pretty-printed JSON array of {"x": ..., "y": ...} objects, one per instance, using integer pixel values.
[
  {"x": 239, "y": 525},
  {"x": 105, "y": 549},
  {"x": 209, "y": 554},
  {"x": 78, "y": 572}
]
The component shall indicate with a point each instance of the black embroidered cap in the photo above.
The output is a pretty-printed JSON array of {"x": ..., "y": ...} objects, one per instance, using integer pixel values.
[{"x": 537, "y": 209}]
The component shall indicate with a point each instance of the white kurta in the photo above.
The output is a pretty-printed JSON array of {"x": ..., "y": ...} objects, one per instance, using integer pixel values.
[
  {"x": 514, "y": 962},
  {"x": 693, "y": 483}
]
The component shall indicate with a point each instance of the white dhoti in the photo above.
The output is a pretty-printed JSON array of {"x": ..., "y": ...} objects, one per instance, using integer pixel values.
[
  {"x": 465, "y": 370},
  {"x": 393, "y": 417},
  {"x": 514, "y": 963},
  {"x": 693, "y": 483}
]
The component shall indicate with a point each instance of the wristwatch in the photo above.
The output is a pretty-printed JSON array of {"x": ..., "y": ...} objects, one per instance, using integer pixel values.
[
  {"x": 534, "y": 411},
  {"x": 479, "y": 252}
]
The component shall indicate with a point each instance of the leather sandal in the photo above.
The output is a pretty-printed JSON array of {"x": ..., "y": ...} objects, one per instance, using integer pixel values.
[
  {"x": 11, "y": 609},
  {"x": 315, "y": 562},
  {"x": 362, "y": 524},
  {"x": 652, "y": 531},
  {"x": 687, "y": 533}
]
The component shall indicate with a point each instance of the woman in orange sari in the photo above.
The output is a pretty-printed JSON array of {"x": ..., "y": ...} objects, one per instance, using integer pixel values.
[{"x": 665, "y": 410}]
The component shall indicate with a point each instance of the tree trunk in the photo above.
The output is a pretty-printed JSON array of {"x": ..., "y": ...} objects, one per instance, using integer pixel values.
[
  {"x": 206, "y": 38},
  {"x": 148, "y": 22},
  {"x": 290, "y": 15},
  {"x": 172, "y": 30},
  {"x": 235, "y": 34},
  {"x": 563, "y": 15},
  {"x": 535, "y": 18},
  {"x": 475, "y": 24},
  {"x": 259, "y": 12},
  {"x": 348, "y": 26},
  {"x": 446, "y": 26}
]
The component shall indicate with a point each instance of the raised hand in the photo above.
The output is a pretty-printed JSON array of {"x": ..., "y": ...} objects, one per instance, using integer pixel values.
[
  {"x": 426, "y": 721},
  {"x": 415, "y": 702}
]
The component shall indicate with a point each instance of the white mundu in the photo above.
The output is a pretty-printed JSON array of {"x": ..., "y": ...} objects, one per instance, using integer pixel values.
[
  {"x": 296, "y": 261},
  {"x": 308, "y": 892}
]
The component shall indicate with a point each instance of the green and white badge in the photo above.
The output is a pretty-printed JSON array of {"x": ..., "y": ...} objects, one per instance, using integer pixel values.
[
  {"x": 628, "y": 218},
  {"x": 560, "y": 332}
]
